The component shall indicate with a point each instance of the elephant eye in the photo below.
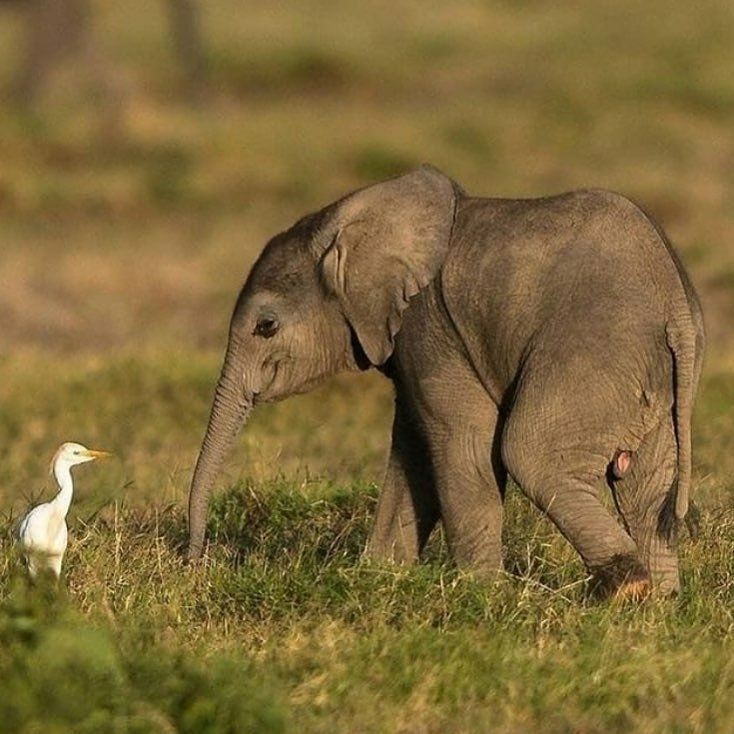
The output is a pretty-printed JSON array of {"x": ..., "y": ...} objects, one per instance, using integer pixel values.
[{"x": 266, "y": 327}]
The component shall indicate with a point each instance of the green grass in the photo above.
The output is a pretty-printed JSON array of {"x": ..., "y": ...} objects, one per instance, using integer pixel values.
[
  {"x": 284, "y": 625},
  {"x": 120, "y": 258}
]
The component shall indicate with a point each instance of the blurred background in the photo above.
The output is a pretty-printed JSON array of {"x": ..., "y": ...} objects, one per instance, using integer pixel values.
[{"x": 148, "y": 149}]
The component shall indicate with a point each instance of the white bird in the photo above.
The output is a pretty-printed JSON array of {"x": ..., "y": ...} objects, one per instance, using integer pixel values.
[{"x": 42, "y": 531}]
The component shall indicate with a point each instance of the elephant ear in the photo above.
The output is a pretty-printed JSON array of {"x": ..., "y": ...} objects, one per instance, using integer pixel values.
[{"x": 389, "y": 241}]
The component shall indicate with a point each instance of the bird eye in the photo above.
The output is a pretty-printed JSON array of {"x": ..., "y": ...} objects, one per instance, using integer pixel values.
[{"x": 266, "y": 327}]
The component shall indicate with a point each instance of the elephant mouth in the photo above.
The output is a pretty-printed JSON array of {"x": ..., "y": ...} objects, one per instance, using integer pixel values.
[
  {"x": 281, "y": 380},
  {"x": 272, "y": 370}
]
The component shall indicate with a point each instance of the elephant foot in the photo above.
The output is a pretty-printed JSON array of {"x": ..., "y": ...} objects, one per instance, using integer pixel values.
[
  {"x": 390, "y": 552},
  {"x": 633, "y": 591},
  {"x": 623, "y": 577}
]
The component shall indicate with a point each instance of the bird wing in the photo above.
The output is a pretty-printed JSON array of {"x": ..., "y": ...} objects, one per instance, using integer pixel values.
[
  {"x": 34, "y": 529},
  {"x": 24, "y": 529}
]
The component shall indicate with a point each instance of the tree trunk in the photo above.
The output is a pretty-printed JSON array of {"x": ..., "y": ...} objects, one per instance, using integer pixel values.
[
  {"x": 186, "y": 30},
  {"x": 55, "y": 30},
  {"x": 59, "y": 37}
]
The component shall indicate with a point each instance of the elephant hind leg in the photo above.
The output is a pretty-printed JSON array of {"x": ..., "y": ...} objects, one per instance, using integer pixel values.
[
  {"x": 564, "y": 477},
  {"x": 643, "y": 496}
]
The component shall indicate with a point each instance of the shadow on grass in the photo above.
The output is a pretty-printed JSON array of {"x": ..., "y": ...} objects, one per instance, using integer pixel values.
[{"x": 331, "y": 525}]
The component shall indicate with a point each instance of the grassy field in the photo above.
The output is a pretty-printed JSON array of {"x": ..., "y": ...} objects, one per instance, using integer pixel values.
[{"x": 120, "y": 258}]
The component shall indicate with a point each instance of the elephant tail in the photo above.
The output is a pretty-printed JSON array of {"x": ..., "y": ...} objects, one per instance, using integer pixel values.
[
  {"x": 685, "y": 336},
  {"x": 681, "y": 338}
]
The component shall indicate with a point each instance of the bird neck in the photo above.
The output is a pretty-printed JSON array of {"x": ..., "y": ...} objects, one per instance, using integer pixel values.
[{"x": 62, "y": 474}]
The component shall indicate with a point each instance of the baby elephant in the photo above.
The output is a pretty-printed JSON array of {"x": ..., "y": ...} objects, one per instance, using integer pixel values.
[{"x": 557, "y": 340}]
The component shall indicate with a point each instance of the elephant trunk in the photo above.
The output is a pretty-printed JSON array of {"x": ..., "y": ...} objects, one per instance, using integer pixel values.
[{"x": 230, "y": 409}]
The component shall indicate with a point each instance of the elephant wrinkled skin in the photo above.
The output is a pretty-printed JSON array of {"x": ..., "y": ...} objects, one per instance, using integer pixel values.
[{"x": 555, "y": 340}]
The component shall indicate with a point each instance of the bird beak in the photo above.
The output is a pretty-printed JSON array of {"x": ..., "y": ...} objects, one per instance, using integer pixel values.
[{"x": 98, "y": 454}]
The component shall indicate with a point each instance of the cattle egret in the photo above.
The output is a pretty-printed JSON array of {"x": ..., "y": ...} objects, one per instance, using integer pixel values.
[{"x": 42, "y": 531}]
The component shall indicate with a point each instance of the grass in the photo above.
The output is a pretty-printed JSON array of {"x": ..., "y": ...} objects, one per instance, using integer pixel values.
[
  {"x": 285, "y": 626},
  {"x": 120, "y": 258}
]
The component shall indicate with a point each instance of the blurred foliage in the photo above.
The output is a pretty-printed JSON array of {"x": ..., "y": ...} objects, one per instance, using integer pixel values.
[{"x": 60, "y": 674}]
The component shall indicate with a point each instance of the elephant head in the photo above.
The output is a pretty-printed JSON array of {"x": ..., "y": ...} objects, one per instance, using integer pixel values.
[{"x": 324, "y": 296}]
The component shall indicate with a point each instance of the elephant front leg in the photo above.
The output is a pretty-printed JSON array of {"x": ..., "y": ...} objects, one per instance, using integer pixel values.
[
  {"x": 408, "y": 508},
  {"x": 471, "y": 490},
  {"x": 454, "y": 471}
]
